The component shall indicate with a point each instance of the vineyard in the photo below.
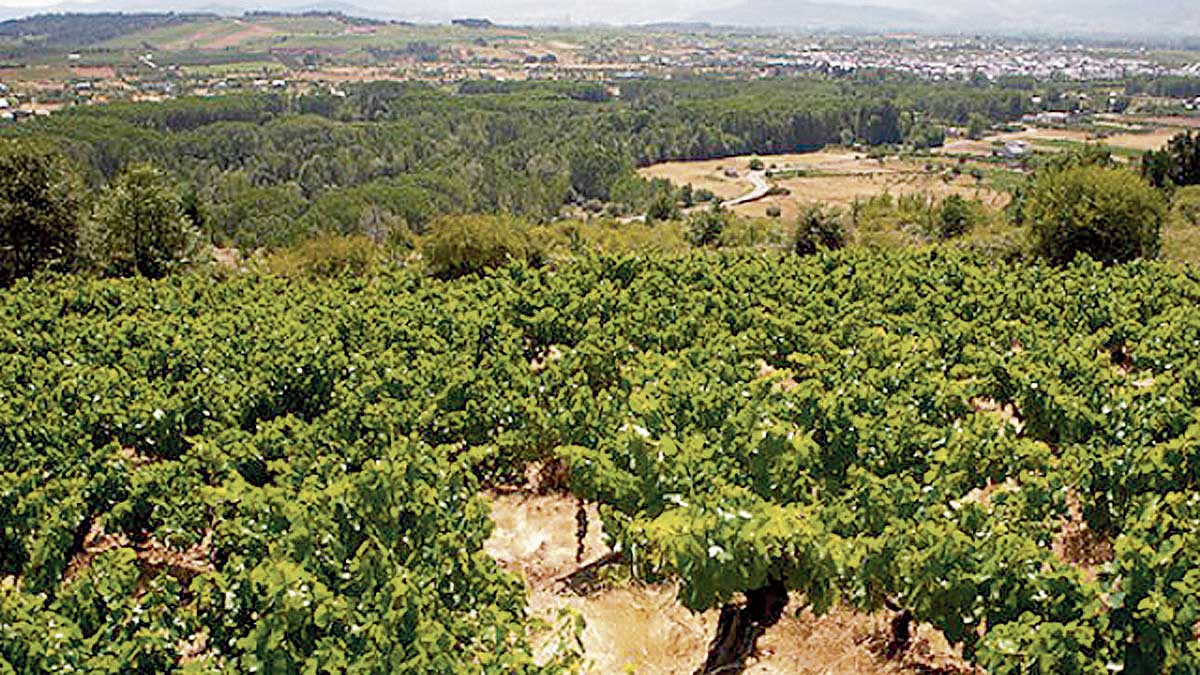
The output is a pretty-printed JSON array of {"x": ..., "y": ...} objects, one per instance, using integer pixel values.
[{"x": 271, "y": 475}]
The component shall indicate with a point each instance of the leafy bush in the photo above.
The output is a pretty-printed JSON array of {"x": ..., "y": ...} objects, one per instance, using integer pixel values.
[
  {"x": 1177, "y": 164},
  {"x": 138, "y": 226},
  {"x": 327, "y": 257},
  {"x": 39, "y": 209},
  {"x": 773, "y": 211},
  {"x": 756, "y": 164},
  {"x": 756, "y": 233},
  {"x": 1110, "y": 214},
  {"x": 704, "y": 228},
  {"x": 663, "y": 208},
  {"x": 819, "y": 229},
  {"x": 955, "y": 216},
  {"x": 1185, "y": 206},
  {"x": 471, "y": 244}
]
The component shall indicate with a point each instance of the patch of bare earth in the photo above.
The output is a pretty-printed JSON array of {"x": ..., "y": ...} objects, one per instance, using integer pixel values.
[
  {"x": 152, "y": 555},
  {"x": 643, "y": 628},
  {"x": 1079, "y": 545}
]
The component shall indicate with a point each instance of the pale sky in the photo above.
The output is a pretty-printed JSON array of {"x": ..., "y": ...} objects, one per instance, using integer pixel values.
[{"x": 1176, "y": 17}]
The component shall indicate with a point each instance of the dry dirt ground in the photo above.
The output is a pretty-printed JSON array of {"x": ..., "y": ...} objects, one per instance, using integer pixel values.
[
  {"x": 641, "y": 628},
  {"x": 1152, "y": 140}
]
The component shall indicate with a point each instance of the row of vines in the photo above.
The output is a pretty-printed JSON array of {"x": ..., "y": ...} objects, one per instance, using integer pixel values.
[{"x": 267, "y": 475}]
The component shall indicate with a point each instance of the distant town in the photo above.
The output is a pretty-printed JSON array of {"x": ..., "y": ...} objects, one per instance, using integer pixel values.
[{"x": 163, "y": 56}]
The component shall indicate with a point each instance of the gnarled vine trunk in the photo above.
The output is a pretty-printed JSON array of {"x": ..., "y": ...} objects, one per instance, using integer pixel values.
[{"x": 741, "y": 625}]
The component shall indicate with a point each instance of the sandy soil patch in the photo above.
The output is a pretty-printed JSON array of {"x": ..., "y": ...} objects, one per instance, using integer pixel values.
[{"x": 645, "y": 628}]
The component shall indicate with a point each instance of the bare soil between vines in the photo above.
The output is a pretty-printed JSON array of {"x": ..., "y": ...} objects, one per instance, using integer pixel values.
[{"x": 633, "y": 627}]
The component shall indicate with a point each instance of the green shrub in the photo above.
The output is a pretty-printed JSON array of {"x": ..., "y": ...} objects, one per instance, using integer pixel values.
[
  {"x": 1110, "y": 214},
  {"x": 818, "y": 229},
  {"x": 756, "y": 164},
  {"x": 773, "y": 211},
  {"x": 39, "y": 209},
  {"x": 704, "y": 228},
  {"x": 471, "y": 244},
  {"x": 138, "y": 227},
  {"x": 756, "y": 233},
  {"x": 1177, "y": 164},
  {"x": 1185, "y": 206},
  {"x": 663, "y": 208},
  {"x": 955, "y": 216},
  {"x": 327, "y": 256}
]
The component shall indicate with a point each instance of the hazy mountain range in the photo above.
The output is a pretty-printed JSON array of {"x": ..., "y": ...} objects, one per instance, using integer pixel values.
[{"x": 1143, "y": 18}]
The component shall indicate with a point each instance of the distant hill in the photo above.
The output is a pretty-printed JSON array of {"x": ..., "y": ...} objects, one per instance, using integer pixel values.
[
  {"x": 73, "y": 30},
  {"x": 1140, "y": 18}
]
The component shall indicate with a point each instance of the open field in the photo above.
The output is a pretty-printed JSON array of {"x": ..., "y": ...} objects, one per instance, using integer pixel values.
[
  {"x": 1052, "y": 140},
  {"x": 835, "y": 177},
  {"x": 1177, "y": 121}
]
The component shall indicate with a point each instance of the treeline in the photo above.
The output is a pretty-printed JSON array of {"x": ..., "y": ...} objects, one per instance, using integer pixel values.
[
  {"x": 263, "y": 169},
  {"x": 1173, "y": 86}
]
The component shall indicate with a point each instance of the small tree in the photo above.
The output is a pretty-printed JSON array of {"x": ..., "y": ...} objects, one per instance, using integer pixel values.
[
  {"x": 138, "y": 226},
  {"x": 954, "y": 217},
  {"x": 1110, "y": 214},
  {"x": 1185, "y": 159},
  {"x": 663, "y": 208},
  {"x": 819, "y": 229},
  {"x": 1177, "y": 164},
  {"x": 705, "y": 227},
  {"x": 39, "y": 209},
  {"x": 977, "y": 126}
]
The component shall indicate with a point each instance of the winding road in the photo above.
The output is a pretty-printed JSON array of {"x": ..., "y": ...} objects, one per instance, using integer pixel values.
[{"x": 761, "y": 187}]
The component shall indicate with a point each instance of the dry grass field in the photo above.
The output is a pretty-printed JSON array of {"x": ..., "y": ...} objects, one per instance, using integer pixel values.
[
  {"x": 834, "y": 177},
  {"x": 1043, "y": 138},
  {"x": 1177, "y": 121}
]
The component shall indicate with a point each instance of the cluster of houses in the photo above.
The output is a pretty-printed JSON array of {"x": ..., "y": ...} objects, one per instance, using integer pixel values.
[{"x": 11, "y": 109}]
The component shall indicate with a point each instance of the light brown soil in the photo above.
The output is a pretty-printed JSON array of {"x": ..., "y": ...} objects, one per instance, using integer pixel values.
[
  {"x": 644, "y": 628},
  {"x": 1079, "y": 545},
  {"x": 152, "y": 555}
]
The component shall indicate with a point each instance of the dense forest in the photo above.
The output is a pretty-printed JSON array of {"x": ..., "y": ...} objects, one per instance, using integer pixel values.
[{"x": 264, "y": 169}]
